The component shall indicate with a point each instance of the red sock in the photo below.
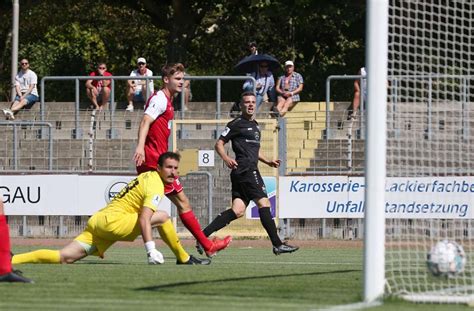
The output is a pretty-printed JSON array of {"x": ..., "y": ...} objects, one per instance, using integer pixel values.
[
  {"x": 5, "y": 260},
  {"x": 191, "y": 223}
]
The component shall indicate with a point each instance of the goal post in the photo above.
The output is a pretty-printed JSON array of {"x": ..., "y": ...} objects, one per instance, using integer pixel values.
[
  {"x": 420, "y": 187},
  {"x": 376, "y": 63}
]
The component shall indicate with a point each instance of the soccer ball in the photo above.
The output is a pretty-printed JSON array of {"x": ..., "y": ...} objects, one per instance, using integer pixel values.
[{"x": 446, "y": 259}]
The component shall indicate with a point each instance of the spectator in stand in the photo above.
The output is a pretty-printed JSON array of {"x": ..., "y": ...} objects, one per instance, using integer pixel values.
[
  {"x": 137, "y": 90},
  {"x": 98, "y": 91},
  {"x": 253, "y": 48},
  {"x": 187, "y": 93},
  {"x": 26, "y": 91},
  {"x": 265, "y": 84},
  {"x": 288, "y": 88},
  {"x": 355, "y": 105}
]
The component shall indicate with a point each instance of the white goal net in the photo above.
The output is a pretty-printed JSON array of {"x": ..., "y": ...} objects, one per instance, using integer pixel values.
[{"x": 430, "y": 149}]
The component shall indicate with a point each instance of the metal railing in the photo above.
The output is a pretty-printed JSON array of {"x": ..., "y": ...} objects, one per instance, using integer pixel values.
[
  {"x": 328, "y": 98},
  {"x": 461, "y": 82},
  {"x": 218, "y": 80},
  {"x": 15, "y": 125},
  {"x": 282, "y": 146},
  {"x": 77, "y": 133},
  {"x": 210, "y": 193}
]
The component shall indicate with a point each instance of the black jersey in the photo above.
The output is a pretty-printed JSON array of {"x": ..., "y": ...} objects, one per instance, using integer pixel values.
[{"x": 245, "y": 137}]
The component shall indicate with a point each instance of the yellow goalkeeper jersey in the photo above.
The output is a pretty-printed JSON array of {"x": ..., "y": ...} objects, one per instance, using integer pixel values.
[{"x": 145, "y": 190}]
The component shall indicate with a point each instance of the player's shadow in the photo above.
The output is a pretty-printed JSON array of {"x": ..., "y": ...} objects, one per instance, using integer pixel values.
[
  {"x": 246, "y": 278},
  {"x": 109, "y": 262}
]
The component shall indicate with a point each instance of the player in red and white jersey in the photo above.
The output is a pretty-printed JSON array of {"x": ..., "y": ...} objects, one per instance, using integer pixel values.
[
  {"x": 153, "y": 137},
  {"x": 159, "y": 113}
]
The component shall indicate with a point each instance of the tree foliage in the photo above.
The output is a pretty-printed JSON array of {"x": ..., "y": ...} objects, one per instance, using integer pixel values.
[{"x": 210, "y": 36}]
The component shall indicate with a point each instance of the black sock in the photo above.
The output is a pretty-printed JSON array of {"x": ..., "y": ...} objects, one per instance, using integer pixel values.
[
  {"x": 269, "y": 225},
  {"x": 222, "y": 220}
]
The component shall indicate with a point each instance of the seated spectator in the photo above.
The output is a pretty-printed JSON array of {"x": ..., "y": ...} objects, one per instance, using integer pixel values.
[
  {"x": 26, "y": 91},
  {"x": 137, "y": 89},
  {"x": 288, "y": 88},
  {"x": 98, "y": 91},
  {"x": 187, "y": 93},
  {"x": 352, "y": 109},
  {"x": 265, "y": 84}
]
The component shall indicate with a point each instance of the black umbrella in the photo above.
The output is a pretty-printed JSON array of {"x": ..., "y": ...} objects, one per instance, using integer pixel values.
[{"x": 250, "y": 63}]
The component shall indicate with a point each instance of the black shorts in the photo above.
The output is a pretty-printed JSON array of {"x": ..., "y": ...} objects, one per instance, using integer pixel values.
[{"x": 248, "y": 186}]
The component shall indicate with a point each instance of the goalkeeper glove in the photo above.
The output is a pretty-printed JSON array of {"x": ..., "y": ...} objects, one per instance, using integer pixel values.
[{"x": 154, "y": 256}]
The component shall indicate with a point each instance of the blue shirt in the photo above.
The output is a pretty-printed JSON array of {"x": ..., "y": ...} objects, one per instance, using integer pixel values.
[{"x": 266, "y": 81}]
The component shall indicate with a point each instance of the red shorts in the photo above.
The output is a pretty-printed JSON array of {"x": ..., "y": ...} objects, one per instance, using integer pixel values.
[
  {"x": 170, "y": 189},
  {"x": 174, "y": 188}
]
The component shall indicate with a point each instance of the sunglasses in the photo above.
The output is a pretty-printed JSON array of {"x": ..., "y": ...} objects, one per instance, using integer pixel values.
[
  {"x": 263, "y": 66},
  {"x": 141, "y": 64},
  {"x": 102, "y": 68},
  {"x": 24, "y": 63}
]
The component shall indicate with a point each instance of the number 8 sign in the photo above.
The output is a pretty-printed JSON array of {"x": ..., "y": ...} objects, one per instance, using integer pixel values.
[{"x": 206, "y": 158}]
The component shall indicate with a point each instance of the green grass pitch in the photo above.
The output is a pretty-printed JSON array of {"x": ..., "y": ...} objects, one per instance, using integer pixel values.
[{"x": 239, "y": 278}]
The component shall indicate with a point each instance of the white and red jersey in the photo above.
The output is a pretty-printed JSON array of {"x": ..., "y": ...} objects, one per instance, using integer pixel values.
[{"x": 160, "y": 108}]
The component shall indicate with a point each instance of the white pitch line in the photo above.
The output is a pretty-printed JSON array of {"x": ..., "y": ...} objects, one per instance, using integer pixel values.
[{"x": 352, "y": 306}]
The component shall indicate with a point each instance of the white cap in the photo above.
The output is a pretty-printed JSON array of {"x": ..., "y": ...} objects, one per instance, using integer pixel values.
[
  {"x": 289, "y": 63},
  {"x": 141, "y": 60}
]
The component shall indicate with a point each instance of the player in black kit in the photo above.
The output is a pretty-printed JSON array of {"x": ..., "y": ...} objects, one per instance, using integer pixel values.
[{"x": 247, "y": 184}]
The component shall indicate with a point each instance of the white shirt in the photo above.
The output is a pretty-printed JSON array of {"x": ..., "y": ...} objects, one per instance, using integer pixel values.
[
  {"x": 25, "y": 79},
  {"x": 157, "y": 105},
  {"x": 267, "y": 82},
  {"x": 139, "y": 83}
]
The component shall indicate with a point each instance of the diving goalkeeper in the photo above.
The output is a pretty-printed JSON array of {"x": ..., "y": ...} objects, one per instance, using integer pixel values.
[{"x": 133, "y": 211}]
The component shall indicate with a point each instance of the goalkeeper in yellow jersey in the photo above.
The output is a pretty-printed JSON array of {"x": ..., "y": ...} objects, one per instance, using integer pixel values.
[{"x": 133, "y": 211}]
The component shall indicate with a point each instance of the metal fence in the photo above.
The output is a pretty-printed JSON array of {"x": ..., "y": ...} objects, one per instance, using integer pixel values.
[
  {"x": 12, "y": 143},
  {"x": 112, "y": 133},
  {"x": 359, "y": 121}
]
